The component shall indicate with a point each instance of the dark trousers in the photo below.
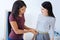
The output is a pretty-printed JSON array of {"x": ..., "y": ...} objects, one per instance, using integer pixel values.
[{"x": 14, "y": 39}]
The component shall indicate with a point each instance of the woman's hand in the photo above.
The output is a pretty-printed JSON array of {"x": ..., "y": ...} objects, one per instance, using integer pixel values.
[
  {"x": 30, "y": 30},
  {"x": 25, "y": 30},
  {"x": 33, "y": 31}
]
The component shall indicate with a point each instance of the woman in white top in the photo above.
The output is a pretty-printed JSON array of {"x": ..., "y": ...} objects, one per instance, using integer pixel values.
[{"x": 46, "y": 22}]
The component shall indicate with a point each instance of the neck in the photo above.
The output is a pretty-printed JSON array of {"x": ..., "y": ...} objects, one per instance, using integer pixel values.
[
  {"x": 45, "y": 14},
  {"x": 20, "y": 15}
]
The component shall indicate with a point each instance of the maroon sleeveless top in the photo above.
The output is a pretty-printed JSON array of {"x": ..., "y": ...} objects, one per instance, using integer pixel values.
[{"x": 20, "y": 22}]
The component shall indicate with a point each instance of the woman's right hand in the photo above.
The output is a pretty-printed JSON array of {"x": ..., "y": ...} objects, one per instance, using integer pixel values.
[
  {"x": 26, "y": 30},
  {"x": 33, "y": 31}
]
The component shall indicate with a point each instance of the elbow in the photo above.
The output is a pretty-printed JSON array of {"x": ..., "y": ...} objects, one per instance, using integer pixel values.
[{"x": 16, "y": 32}]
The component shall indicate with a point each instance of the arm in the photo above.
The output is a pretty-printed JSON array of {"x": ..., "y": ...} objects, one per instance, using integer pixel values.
[
  {"x": 25, "y": 27},
  {"x": 31, "y": 30},
  {"x": 15, "y": 28},
  {"x": 51, "y": 31},
  {"x": 52, "y": 34}
]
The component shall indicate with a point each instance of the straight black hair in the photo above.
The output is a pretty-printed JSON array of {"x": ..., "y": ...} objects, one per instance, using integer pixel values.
[
  {"x": 47, "y": 5},
  {"x": 16, "y": 6}
]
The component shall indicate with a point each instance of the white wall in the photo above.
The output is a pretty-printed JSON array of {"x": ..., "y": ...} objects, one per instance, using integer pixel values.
[
  {"x": 31, "y": 14},
  {"x": 4, "y": 7}
]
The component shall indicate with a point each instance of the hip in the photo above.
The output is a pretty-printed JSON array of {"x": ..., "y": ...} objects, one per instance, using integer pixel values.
[
  {"x": 15, "y": 39},
  {"x": 42, "y": 36},
  {"x": 12, "y": 35}
]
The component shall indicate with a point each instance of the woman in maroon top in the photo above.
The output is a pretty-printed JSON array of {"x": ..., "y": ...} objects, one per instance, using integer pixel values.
[{"x": 17, "y": 21}]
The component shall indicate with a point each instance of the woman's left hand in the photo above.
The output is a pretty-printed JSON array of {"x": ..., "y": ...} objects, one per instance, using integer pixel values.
[{"x": 34, "y": 31}]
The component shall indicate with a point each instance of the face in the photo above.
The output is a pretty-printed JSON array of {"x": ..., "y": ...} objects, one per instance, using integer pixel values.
[
  {"x": 22, "y": 10},
  {"x": 44, "y": 11}
]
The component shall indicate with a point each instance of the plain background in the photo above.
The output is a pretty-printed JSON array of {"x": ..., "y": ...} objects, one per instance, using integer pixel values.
[{"x": 31, "y": 14}]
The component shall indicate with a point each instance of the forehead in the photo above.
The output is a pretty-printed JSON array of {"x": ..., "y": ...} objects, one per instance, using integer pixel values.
[
  {"x": 23, "y": 7},
  {"x": 42, "y": 7}
]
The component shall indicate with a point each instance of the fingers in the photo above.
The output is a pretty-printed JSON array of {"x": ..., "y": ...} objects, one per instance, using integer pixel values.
[
  {"x": 35, "y": 31},
  {"x": 32, "y": 31},
  {"x": 26, "y": 30}
]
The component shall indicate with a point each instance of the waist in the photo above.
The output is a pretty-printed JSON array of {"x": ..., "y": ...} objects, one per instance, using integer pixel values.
[
  {"x": 43, "y": 32},
  {"x": 15, "y": 36}
]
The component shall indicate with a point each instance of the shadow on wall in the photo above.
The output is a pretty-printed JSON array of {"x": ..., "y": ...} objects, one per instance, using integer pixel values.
[{"x": 8, "y": 27}]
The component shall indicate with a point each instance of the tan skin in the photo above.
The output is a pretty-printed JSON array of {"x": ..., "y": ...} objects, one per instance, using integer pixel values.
[
  {"x": 45, "y": 13},
  {"x": 26, "y": 29}
]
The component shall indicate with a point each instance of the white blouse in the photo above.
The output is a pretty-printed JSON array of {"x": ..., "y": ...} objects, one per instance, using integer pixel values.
[{"x": 46, "y": 24}]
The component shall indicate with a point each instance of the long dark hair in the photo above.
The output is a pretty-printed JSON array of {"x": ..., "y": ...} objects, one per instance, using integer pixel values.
[
  {"x": 47, "y": 5},
  {"x": 16, "y": 6}
]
